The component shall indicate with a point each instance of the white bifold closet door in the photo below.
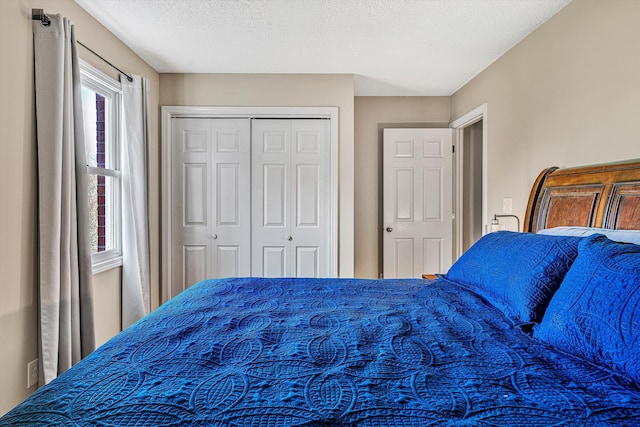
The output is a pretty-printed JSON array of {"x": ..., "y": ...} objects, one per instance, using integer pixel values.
[
  {"x": 250, "y": 198},
  {"x": 290, "y": 198},
  {"x": 211, "y": 212}
]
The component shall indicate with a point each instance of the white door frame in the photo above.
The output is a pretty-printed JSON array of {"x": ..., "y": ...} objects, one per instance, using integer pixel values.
[
  {"x": 458, "y": 125},
  {"x": 171, "y": 112}
]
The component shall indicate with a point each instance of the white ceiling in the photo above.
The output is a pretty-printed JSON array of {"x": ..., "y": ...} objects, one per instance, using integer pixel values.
[{"x": 392, "y": 47}]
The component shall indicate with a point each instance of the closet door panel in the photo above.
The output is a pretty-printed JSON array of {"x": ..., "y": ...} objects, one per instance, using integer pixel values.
[
  {"x": 194, "y": 262},
  {"x": 274, "y": 195},
  {"x": 307, "y": 261},
  {"x": 211, "y": 221},
  {"x": 274, "y": 261},
  {"x": 290, "y": 197},
  {"x": 194, "y": 194},
  {"x": 227, "y": 194},
  {"x": 192, "y": 249},
  {"x": 270, "y": 189},
  {"x": 228, "y": 261},
  {"x": 310, "y": 197},
  {"x": 231, "y": 203}
]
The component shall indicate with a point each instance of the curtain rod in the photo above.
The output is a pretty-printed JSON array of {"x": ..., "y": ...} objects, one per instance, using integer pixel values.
[{"x": 39, "y": 15}]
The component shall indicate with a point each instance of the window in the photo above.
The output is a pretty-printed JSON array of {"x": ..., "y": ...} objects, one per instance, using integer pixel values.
[{"x": 101, "y": 98}]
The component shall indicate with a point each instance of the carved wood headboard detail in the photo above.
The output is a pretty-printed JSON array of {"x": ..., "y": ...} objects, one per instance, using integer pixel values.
[{"x": 602, "y": 196}]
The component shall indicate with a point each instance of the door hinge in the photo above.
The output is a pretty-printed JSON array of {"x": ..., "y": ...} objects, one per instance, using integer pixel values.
[{"x": 453, "y": 149}]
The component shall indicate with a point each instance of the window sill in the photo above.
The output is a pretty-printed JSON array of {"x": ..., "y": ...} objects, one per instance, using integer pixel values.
[{"x": 107, "y": 264}]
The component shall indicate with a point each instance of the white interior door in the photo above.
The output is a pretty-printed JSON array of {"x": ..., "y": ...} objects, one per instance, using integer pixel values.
[
  {"x": 290, "y": 198},
  {"x": 211, "y": 187},
  {"x": 417, "y": 199}
]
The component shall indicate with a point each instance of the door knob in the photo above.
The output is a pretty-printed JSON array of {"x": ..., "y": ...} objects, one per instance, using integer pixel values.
[
  {"x": 215, "y": 236},
  {"x": 290, "y": 238},
  {"x": 389, "y": 229}
]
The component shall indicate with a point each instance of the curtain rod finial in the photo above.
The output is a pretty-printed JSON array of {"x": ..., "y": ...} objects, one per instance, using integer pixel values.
[{"x": 39, "y": 15}]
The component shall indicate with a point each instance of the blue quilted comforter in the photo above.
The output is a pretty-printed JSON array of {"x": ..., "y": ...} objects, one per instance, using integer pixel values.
[{"x": 329, "y": 352}]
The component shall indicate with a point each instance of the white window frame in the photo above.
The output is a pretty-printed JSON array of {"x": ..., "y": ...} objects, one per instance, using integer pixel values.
[{"x": 108, "y": 87}]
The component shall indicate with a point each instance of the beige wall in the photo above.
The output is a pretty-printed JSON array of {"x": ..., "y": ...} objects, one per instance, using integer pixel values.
[
  {"x": 372, "y": 114},
  {"x": 18, "y": 245},
  {"x": 567, "y": 95},
  {"x": 308, "y": 90}
]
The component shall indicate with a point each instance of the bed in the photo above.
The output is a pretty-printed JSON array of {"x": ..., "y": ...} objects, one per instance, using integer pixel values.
[{"x": 527, "y": 329}]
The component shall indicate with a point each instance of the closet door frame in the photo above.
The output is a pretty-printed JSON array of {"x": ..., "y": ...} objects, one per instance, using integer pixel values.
[{"x": 170, "y": 112}]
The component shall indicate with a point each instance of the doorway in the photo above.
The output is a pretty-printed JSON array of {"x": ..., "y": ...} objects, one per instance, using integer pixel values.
[{"x": 470, "y": 178}]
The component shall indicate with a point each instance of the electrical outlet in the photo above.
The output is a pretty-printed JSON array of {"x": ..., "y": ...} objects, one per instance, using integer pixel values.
[
  {"x": 32, "y": 373},
  {"x": 507, "y": 205}
]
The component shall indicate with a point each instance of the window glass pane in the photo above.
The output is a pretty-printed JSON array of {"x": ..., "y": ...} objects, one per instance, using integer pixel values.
[
  {"x": 93, "y": 212},
  {"x": 106, "y": 213},
  {"x": 102, "y": 192},
  {"x": 95, "y": 108}
]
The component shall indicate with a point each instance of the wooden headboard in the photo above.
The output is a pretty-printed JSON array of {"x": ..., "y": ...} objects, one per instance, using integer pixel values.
[{"x": 602, "y": 196}]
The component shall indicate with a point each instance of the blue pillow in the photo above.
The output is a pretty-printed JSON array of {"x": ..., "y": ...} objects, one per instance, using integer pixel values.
[
  {"x": 517, "y": 272},
  {"x": 596, "y": 311}
]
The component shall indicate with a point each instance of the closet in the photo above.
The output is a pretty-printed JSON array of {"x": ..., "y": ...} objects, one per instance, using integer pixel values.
[{"x": 249, "y": 197}]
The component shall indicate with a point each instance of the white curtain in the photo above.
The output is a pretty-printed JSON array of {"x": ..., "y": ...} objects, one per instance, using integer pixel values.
[
  {"x": 64, "y": 276},
  {"x": 135, "y": 228}
]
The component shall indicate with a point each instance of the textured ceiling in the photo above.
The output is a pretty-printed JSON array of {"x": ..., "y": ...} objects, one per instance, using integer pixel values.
[{"x": 393, "y": 47}]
